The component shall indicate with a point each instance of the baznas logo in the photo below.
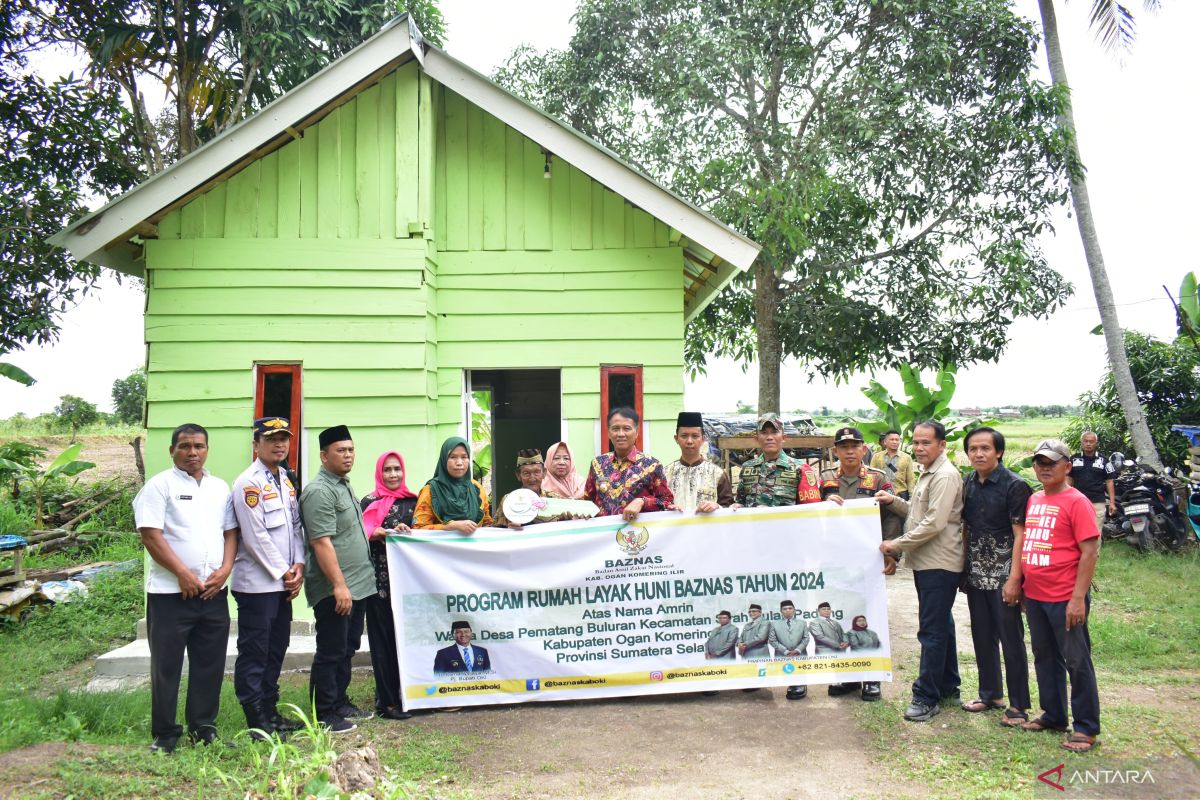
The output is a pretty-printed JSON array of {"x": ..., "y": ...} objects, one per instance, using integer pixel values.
[{"x": 633, "y": 540}]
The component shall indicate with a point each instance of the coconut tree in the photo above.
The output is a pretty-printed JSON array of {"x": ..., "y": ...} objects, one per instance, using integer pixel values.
[{"x": 1114, "y": 24}]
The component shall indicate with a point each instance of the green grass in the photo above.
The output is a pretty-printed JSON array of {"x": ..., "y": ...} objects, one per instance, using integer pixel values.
[
  {"x": 46, "y": 427},
  {"x": 95, "y": 744},
  {"x": 1144, "y": 624}
]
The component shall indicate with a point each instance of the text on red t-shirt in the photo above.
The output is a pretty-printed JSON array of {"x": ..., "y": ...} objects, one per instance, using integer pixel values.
[{"x": 1054, "y": 526}]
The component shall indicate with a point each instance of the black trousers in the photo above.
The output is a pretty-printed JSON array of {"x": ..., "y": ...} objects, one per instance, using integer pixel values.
[
  {"x": 1057, "y": 653},
  {"x": 938, "y": 676},
  {"x": 338, "y": 638},
  {"x": 385, "y": 657},
  {"x": 201, "y": 629},
  {"x": 997, "y": 627},
  {"x": 264, "y": 630}
]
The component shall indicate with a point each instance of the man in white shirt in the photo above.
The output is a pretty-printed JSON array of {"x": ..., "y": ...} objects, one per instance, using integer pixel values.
[{"x": 186, "y": 521}]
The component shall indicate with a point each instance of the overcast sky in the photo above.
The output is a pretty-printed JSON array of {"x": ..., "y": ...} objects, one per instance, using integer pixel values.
[{"x": 1136, "y": 130}]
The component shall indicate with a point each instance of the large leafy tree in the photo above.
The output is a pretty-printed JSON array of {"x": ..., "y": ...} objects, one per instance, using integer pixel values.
[
  {"x": 1115, "y": 25},
  {"x": 1167, "y": 376},
  {"x": 896, "y": 161},
  {"x": 72, "y": 141},
  {"x": 60, "y": 143},
  {"x": 217, "y": 61}
]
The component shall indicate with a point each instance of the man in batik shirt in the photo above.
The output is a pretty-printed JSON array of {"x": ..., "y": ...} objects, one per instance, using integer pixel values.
[
  {"x": 696, "y": 483},
  {"x": 625, "y": 481}
]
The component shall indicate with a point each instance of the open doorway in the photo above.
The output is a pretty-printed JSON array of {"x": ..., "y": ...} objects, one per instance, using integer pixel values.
[
  {"x": 525, "y": 411},
  {"x": 278, "y": 393}
]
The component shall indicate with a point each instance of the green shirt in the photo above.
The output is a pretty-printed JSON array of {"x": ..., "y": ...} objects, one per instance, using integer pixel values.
[{"x": 330, "y": 509}]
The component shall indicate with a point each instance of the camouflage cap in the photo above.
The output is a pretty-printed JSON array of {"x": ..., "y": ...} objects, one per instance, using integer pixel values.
[{"x": 769, "y": 418}]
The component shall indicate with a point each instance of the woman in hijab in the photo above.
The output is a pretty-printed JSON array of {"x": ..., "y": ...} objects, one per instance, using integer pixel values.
[
  {"x": 451, "y": 500},
  {"x": 387, "y": 509},
  {"x": 561, "y": 479}
]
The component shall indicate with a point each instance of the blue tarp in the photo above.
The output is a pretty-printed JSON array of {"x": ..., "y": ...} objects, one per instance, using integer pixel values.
[{"x": 1192, "y": 432}]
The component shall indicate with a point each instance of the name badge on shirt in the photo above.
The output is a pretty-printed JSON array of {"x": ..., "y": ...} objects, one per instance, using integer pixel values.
[{"x": 184, "y": 497}]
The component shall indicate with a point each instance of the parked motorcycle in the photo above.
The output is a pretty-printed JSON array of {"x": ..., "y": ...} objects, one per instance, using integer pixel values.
[{"x": 1148, "y": 515}]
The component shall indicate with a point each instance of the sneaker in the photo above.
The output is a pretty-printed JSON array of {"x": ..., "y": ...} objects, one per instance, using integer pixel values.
[
  {"x": 351, "y": 711},
  {"x": 335, "y": 724},
  {"x": 164, "y": 745},
  {"x": 871, "y": 691},
  {"x": 919, "y": 712},
  {"x": 797, "y": 692}
]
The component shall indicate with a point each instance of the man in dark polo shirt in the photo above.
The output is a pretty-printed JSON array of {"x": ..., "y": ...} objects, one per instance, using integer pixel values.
[
  {"x": 994, "y": 501},
  {"x": 1094, "y": 475},
  {"x": 338, "y": 577}
]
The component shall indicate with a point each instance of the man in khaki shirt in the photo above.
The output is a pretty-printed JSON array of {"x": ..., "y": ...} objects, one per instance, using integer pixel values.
[{"x": 933, "y": 542}]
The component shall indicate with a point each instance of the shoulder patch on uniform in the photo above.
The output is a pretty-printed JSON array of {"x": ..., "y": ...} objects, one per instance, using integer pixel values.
[{"x": 250, "y": 495}]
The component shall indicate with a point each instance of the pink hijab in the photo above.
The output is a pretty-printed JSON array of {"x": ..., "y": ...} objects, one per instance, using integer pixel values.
[
  {"x": 377, "y": 511},
  {"x": 570, "y": 487}
]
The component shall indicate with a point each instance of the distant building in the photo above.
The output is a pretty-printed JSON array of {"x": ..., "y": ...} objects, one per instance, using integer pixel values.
[
  {"x": 1008, "y": 412},
  {"x": 970, "y": 412}
]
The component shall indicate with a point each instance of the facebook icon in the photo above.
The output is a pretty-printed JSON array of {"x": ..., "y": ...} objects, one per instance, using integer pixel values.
[{"x": 532, "y": 684}]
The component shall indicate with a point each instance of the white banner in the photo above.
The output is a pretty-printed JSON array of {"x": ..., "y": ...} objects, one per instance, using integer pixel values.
[{"x": 598, "y": 608}]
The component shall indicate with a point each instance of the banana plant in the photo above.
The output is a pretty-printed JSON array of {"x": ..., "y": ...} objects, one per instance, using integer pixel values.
[
  {"x": 13, "y": 372},
  {"x": 1188, "y": 309},
  {"x": 38, "y": 478},
  {"x": 923, "y": 404}
]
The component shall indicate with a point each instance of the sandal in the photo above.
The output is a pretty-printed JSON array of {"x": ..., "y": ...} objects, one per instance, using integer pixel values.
[
  {"x": 977, "y": 705},
  {"x": 1014, "y": 718},
  {"x": 1042, "y": 724},
  {"x": 1079, "y": 743}
]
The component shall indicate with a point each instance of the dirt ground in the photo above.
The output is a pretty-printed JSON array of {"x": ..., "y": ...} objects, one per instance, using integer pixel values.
[
  {"x": 112, "y": 455},
  {"x": 732, "y": 745}
]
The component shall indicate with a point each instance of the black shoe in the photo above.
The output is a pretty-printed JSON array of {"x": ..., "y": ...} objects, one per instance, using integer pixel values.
[
  {"x": 282, "y": 724},
  {"x": 797, "y": 692},
  {"x": 351, "y": 711},
  {"x": 164, "y": 745},
  {"x": 871, "y": 691},
  {"x": 752, "y": 689},
  {"x": 335, "y": 724},
  {"x": 258, "y": 721},
  {"x": 207, "y": 735},
  {"x": 919, "y": 712},
  {"x": 395, "y": 712},
  {"x": 839, "y": 689},
  {"x": 710, "y": 693}
]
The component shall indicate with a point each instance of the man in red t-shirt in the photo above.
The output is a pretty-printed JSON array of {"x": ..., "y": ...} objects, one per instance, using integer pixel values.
[{"x": 1059, "y": 548}]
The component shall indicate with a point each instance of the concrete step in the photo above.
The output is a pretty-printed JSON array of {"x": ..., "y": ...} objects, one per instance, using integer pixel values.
[
  {"x": 130, "y": 665},
  {"x": 300, "y": 627}
]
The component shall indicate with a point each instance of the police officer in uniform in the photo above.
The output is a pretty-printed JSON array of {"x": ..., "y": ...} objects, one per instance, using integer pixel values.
[
  {"x": 267, "y": 574},
  {"x": 851, "y": 479}
]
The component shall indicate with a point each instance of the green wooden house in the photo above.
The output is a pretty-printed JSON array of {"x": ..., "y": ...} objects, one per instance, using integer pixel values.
[{"x": 392, "y": 235}]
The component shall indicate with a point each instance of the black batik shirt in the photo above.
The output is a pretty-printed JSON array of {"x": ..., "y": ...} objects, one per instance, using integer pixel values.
[{"x": 990, "y": 509}]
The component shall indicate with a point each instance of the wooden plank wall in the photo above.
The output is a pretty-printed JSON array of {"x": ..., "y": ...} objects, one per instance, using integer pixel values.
[{"x": 506, "y": 268}]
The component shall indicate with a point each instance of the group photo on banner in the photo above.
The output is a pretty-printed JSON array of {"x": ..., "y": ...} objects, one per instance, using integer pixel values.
[{"x": 670, "y": 602}]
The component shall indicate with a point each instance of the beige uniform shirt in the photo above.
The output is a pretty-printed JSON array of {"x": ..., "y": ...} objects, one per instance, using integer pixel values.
[{"x": 933, "y": 534}]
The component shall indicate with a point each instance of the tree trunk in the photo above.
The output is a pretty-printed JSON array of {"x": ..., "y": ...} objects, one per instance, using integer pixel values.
[
  {"x": 767, "y": 296},
  {"x": 1135, "y": 418}
]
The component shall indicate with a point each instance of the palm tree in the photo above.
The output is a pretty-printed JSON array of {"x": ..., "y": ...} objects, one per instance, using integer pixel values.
[{"x": 1114, "y": 24}]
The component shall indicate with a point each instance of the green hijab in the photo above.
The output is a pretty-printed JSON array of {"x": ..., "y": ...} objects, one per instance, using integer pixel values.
[{"x": 454, "y": 498}]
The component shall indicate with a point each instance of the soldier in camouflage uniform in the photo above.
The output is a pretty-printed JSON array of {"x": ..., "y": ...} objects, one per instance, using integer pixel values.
[{"x": 774, "y": 478}]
